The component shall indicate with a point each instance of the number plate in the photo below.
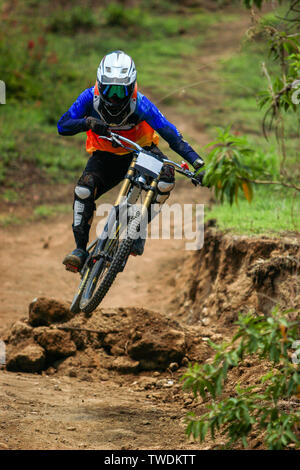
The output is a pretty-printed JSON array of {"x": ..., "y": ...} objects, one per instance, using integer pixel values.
[{"x": 149, "y": 165}]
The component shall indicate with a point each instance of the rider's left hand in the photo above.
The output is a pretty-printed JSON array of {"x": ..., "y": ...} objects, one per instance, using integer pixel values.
[{"x": 199, "y": 177}]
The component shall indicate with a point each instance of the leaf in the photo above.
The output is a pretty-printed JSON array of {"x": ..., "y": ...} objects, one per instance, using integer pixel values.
[
  {"x": 246, "y": 186},
  {"x": 283, "y": 330},
  {"x": 291, "y": 435}
]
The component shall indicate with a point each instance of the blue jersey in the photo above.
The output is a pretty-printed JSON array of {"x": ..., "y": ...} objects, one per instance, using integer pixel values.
[{"x": 73, "y": 122}]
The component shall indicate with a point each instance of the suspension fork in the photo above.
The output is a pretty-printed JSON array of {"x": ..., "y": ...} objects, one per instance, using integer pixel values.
[
  {"x": 126, "y": 183},
  {"x": 149, "y": 197}
]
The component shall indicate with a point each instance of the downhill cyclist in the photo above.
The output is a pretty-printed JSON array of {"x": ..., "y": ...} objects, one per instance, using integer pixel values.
[{"x": 114, "y": 104}]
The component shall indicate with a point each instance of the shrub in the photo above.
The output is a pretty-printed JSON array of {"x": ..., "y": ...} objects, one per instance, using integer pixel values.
[
  {"x": 69, "y": 21},
  {"x": 257, "y": 406}
]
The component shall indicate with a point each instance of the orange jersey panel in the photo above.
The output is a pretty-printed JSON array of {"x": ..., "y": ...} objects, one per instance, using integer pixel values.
[{"x": 142, "y": 134}]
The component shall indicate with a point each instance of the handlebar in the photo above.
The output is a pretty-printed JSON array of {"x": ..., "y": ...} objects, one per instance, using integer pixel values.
[{"x": 116, "y": 138}]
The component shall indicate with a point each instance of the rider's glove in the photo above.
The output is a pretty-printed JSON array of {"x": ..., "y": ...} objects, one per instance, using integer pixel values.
[
  {"x": 198, "y": 175},
  {"x": 97, "y": 126}
]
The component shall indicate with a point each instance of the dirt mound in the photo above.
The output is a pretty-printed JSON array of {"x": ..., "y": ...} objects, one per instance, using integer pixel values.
[
  {"x": 122, "y": 340},
  {"x": 234, "y": 274},
  {"x": 43, "y": 311}
]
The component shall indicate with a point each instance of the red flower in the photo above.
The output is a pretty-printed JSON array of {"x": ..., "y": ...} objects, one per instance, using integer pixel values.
[{"x": 30, "y": 44}]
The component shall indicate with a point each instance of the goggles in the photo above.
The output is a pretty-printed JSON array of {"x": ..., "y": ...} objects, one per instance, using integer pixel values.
[{"x": 120, "y": 91}]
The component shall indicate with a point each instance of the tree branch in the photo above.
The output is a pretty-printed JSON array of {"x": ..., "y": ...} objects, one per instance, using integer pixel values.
[{"x": 281, "y": 183}]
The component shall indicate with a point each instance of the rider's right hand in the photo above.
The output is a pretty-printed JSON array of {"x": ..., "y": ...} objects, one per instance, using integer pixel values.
[{"x": 97, "y": 126}]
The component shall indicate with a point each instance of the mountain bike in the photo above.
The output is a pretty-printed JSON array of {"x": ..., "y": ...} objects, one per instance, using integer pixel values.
[{"x": 109, "y": 252}]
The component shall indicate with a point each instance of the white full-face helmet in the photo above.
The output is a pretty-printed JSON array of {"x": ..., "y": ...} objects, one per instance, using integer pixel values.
[{"x": 116, "y": 81}]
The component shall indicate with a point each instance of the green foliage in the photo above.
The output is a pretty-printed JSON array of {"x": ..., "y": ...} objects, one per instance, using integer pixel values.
[
  {"x": 283, "y": 41},
  {"x": 278, "y": 96},
  {"x": 119, "y": 15},
  {"x": 255, "y": 407},
  {"x": 70, "y": 21},
  {"x": 231, "y": 166},
  {"x": 256, "y": 3},
  {"x": 252, "y": 3},
  {"x": 10, "y": 195}
]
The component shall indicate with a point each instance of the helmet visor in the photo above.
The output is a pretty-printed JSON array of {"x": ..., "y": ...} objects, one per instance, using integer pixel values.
[{"x": 115, "y": 92}]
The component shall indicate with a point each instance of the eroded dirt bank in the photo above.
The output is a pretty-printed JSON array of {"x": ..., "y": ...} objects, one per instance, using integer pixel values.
[
  {"x": 111, "y": 381},
  {"x": 237, "y": 273}
]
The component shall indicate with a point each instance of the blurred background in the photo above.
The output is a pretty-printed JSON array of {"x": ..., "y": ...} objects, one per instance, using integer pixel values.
[{"x": 196, "y": 60}]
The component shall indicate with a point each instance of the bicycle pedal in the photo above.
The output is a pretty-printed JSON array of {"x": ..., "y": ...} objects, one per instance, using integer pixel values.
[{"x": 73, "y": 269}]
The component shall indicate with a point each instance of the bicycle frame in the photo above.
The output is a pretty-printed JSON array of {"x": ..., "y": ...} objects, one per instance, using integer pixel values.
[{"x": 118, "y": 139}]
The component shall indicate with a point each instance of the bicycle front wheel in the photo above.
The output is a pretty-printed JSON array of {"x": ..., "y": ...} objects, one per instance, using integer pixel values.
[{"x": 106, "y": 269}]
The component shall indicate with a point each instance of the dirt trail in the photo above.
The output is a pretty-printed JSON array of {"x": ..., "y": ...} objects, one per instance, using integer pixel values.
[
  {"x": 40, "y": 412},
  {"x": 37, "y": 251},
  {"x": 50, "y": 412}
]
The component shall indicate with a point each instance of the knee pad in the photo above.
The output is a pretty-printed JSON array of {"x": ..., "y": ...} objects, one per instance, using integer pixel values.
[
  {"x": 165, "y": 184},
  {"x": 84, "y": 203},
  {"x": 163, "y": 191},
  {"x": 82, "y": 192}
]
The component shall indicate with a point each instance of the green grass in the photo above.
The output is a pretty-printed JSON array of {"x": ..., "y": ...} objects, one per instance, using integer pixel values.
[
  {"x": 50, "y": 210},
  {"x": 43, "y": 211},
  {"x": 9, "y": 219},
  {"x": 272, "y": 210}
]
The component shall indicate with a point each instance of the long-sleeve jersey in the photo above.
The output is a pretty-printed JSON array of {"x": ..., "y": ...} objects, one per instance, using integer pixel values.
[{"x": 141, "y": 126}]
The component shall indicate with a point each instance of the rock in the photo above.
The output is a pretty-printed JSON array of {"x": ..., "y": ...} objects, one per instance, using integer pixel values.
[
  {"x": 120, "y": 433},
  {"x": 3, "y": 446},
  {"x": 217, "y": 337},
  {"x": 20, "y": 331},
  {"x": 43, "y": 312},
  {"x": 56, "y": 343},
  {"x": 188, "y": 401},
  {"x": 169, "y": 383},
  {"x": 79, "y": 339},
  {"x": 147, "y": 383},
  {"x": 72, "y": 373},
  {"x": 30, "y": 359},
  {"x": 117, "y": 351},
  {"x": 157, "y": 351},
  {"x": 164, "y": 383},
  {"x": 125, "y": 365}
]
